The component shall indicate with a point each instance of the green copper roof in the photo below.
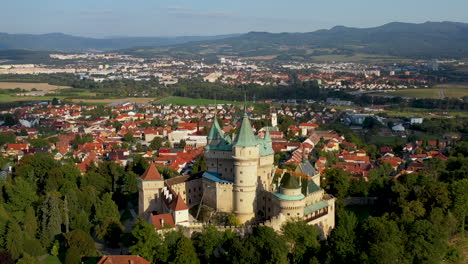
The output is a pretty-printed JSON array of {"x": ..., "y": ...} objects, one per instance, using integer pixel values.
[
  {"x": 224, "y": 145},
  {"x": 289, "y": 197},
  {"x": 315, "y": 207},
  {"x": 215, "y": 131},
  {"x": 267, "y": 137},
  {"x": 289, "y": 182},
  {"x": 246, "y": 137},
  {"x": 266, "y": 149}
]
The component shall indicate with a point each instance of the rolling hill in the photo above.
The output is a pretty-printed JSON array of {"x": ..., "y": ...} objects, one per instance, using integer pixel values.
[
  {"x": 425, "y": 40},
  {"x": 63, "y": 42}
]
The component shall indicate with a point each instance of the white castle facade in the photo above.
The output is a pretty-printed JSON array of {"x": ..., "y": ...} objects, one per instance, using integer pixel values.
[{"x": 241, "y": 178}]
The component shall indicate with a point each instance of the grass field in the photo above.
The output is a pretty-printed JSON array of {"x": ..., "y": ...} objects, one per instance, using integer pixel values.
[
  {"x": 137, "y": 100},
  {"x": 30, "y": 86},
  {"x": 51, "y": 260},
  {"x": 452, "y": 90}
]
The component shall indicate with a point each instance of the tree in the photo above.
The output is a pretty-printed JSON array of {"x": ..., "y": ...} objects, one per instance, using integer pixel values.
[
  {"x": 30, "y": 223},
  {"x": 342, "y": 242},
  {"x": 72, "y": 256},
  {"x": 182, "y": 143},
  {"x": 338, "y": 182},
  {"x": 148, "y": 244},
  {"x": 27, "y": 259},
  {"x": 51, "y": 217},
  {"x": 110, "y": 231},
  {"x": 207, "y": 242},
  {"x": 199, "y": 165},
  {"x": 382, "y": 241},
  {"x": 82, "y": 243},
  {"x": 14, "y": 240},
  {"x": 156, "y": 143},
  {"x": 302, "y": 239},
  {"x": 128, "y": 137},
  {"x": 460, "y": 202},
  {"x": 20, "y": 195},
  {"x": 106, "y": 207},
  {"x": 183, "y": 251},
  {"x": 264, "y": 246}
]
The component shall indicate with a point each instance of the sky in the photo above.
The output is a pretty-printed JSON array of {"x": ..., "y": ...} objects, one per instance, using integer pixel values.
[{"x": 107, "y": 18}]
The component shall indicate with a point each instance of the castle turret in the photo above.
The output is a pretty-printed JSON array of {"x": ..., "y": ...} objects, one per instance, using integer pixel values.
[
  {"x": 216, "y": 133},
  {"x": 245, "y": 155},
  {"x": 150, "y": 185}
]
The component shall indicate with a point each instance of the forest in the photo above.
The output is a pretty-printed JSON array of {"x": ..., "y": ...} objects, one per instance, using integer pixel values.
[{"x": 49, "y": 207}]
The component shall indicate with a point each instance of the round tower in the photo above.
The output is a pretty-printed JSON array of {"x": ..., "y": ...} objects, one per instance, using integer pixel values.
[{"x": 246, "y": 155}]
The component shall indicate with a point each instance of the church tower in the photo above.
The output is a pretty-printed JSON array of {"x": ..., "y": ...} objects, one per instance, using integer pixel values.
[
  {"x": 274, "y": 120},
  {"x": 245, "y": 154}
]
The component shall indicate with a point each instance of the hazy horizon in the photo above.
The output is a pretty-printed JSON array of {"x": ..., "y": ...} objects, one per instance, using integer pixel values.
[{"x": 144, "y": 18}]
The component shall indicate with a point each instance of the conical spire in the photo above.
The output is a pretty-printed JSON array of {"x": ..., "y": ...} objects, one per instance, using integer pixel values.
[
  {"x": 215, "y": 131},
  {"x": 246, "y": 136}
]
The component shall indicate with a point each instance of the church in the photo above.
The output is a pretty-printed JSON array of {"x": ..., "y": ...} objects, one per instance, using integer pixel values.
[{"x": 241, "y": 178}]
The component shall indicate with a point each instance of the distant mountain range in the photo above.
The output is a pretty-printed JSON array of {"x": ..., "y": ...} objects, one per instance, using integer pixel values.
[
  {"x": 63, "y": 42},
  {"x": 426, "y": 40}
]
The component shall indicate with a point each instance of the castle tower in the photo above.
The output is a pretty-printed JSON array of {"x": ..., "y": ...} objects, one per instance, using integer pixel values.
[
  {"x": 246, "y": 155},
  {"x": 150, "y": 185},
  {"x": 216, "y": 133},
  {"x": 274, "y": 120}
]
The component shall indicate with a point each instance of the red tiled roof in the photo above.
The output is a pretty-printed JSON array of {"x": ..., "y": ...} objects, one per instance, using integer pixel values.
[
  {"x": 123, "y": 259},
  {"x": 179, "y": 204},
  {"x": 161, "y": 219},
  {"x": 152, "y": 173}
]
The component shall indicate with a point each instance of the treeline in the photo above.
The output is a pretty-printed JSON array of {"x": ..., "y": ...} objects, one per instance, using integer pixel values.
[{"x": 49, "y": 207}]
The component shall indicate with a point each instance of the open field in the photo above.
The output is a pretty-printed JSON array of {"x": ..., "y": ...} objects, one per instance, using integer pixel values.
[
  {"x": 30, "y": 86},
  {"x": 14, "y": 98},
  {"x": 451, "y": 90},
  {"x": 137, "y": 100}
]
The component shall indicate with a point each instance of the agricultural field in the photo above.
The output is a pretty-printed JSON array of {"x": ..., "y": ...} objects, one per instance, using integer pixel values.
[
  {"x": 29, "y": 86},
  {"x": 455, "y": 90},
  {"x": 137, "y": 100}
]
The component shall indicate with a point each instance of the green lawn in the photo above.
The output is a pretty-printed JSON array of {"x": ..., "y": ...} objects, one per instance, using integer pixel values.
[
  {"x": 362, "y": 212},
  {"x": 451, "y": 90},
  {"x": 51, "y": 260}
]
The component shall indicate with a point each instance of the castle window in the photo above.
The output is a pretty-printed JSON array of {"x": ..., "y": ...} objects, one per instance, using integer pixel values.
[
  {"x": 241, "y": 190},
  {"x": 241, "y": 200},
  {"x": 241, "y": 172},
  {"x": 241, "y": 181},
  {"x": 289, "y": 214},
  {"x": 298, "y": 213}
]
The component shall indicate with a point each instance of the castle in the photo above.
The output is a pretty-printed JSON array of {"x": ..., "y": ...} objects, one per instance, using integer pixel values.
[{"x": 241, "y": 178}]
